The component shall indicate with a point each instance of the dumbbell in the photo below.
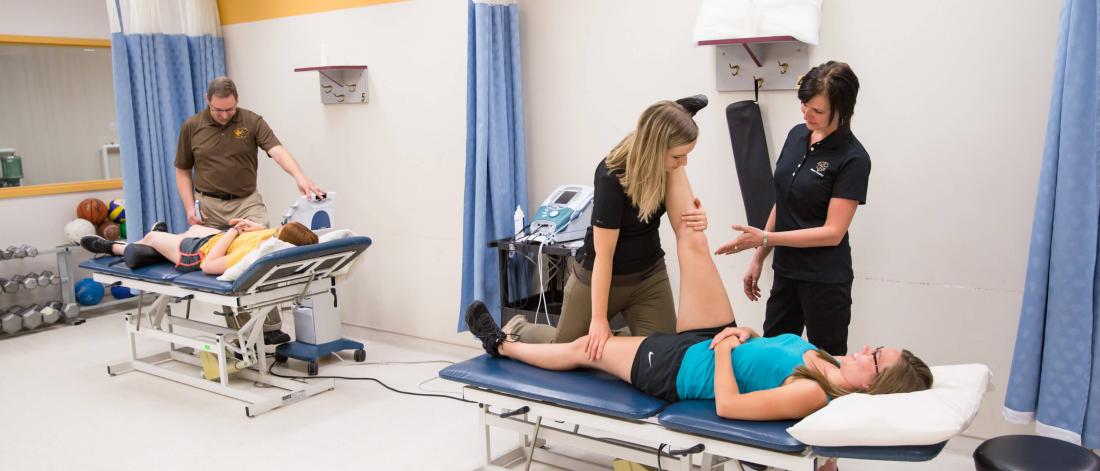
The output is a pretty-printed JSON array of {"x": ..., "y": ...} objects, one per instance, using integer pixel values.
[
  {"x": 32, "y": 318},
  {"x": 8, "y": 286},
  {"x": 50, "y": 315},
  {"x": 68, "y": 312},
  {"x": 43, "y": 279},
  {"x": 10, "y": 322},
  {"x": 31, "y": 250},
  {"x": 26, "y": 282},
  {"x": 16, "y": 252},
  {"x": 50, "y": 277}
]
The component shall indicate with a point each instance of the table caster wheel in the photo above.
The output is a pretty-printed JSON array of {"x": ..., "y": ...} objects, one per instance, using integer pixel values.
[
  {"x": 311, "y": 368},
  {"x": 360, "y": 355}
]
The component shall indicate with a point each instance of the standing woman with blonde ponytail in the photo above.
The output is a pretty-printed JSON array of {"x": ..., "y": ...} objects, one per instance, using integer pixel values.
[{"x": 621, "y": 267}]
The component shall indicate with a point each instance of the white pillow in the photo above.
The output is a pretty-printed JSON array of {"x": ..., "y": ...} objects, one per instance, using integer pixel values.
[
  {"x": 266, "y": 247},
  {"x": 333, "y": 235},
  {"x": 739, "y": 19},
  {"x": 917, "y": 418}
]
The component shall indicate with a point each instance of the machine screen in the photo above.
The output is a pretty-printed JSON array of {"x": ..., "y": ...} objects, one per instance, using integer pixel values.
[{"x": 565, "y": 197}]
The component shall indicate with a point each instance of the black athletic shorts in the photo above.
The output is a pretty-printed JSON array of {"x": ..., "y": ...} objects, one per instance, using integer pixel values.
[
  {"x": 658, "y": 360},
  {"x": 190, "y": 257}
]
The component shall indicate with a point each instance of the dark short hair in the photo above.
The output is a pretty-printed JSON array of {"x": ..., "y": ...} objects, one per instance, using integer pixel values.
[
  {"x": 221, "y": 87},
  {"x": 838, "y": 83}
]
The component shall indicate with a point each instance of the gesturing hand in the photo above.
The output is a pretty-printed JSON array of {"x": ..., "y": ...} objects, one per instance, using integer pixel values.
[{"x": 750, "y": 238}]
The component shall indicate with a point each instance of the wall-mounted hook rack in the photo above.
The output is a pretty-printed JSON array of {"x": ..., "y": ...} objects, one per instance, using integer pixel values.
[
  {"x": 341, "y": 84},
  {"x": 769, "y": 59}
]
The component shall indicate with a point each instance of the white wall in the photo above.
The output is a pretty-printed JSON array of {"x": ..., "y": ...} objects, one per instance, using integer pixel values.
[
  {"x": 396, "y": 163},
  {"x": 952, "y": 110},
  {"x": 952, "y": 118},
  {"x": 60, "y": 18}
]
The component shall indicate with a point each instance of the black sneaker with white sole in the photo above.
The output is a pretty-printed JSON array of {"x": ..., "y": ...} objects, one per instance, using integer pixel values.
[
  {"x": 481, "y": 324},
  {"x": 97, "y": 244}
]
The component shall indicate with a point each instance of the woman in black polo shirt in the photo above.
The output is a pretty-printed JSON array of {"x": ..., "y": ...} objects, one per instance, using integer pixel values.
[
  {"x": 820, "y": 178},
  {"x": 621, "y": 267}
]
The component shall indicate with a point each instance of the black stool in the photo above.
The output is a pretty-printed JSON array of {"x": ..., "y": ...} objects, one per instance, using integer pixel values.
[{"x": 1033, "y": 453}]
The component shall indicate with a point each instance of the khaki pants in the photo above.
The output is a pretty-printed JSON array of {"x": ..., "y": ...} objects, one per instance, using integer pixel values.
[
  {"x": 646, "y": 304},
  {"x": 216, "y": 213}
]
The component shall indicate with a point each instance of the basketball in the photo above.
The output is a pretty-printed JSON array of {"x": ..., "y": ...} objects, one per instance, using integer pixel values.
[
  {"x": 109, "y": 230},
  {"x": 116, "y": 211},
  {"x": 78, "y": 228},
  {"x": 93, "y": 210}
]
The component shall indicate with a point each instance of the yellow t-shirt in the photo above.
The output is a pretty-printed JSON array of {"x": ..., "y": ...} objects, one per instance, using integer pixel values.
[{"x": 241, "y": 246}]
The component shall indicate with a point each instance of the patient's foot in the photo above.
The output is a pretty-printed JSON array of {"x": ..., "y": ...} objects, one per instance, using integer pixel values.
[
  {"x": 159, "y": 226},
  {"x": 276, "y": 337},
  {"x": 97, "y": 244},
  {"x": 482, "y": 325}
]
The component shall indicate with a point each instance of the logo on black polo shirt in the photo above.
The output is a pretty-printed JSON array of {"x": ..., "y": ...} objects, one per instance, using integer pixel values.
[
  {"x": 821, "y": 167},
  {"x": 241, "y": 133}
]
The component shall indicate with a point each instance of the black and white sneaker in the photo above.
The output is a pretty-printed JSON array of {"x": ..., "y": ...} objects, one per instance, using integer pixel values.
[
  {"x": 97, "y": 244},
  {"x": 481, "y": 324},
  {"x": 159, "y": 226}
]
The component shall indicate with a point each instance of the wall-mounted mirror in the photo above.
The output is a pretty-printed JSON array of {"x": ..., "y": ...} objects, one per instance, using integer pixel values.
[{"x": 57, "y": 114}]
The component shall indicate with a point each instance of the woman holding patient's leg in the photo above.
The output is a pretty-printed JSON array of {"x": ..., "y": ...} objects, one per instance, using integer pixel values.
[{"x": 749, "y": 377}]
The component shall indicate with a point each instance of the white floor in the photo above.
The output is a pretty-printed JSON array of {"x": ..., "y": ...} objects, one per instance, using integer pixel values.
[{"x": 60, "y": 410}]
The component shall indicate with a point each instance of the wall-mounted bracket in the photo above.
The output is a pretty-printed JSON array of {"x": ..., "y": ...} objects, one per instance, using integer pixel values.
[
  {"x": 341, "y": 84},
  {"x": 777, "y": 63}
]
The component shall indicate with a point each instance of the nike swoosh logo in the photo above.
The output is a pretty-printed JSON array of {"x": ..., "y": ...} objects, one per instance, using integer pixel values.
[{"x": 651, "y": 359}]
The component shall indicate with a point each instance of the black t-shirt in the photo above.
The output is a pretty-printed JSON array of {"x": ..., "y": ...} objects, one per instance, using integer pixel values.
[
  {"x": 806, "y": 178},
  {"x": 639, "y": 245}
]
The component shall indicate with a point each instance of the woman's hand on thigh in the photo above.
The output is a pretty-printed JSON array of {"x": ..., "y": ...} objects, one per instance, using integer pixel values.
[
  {"x": 696, "y": 218},
  {"x": 598, "y": 333}
]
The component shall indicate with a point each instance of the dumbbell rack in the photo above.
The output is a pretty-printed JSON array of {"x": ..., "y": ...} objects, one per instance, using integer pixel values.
[{"x": 68, "y": 295}]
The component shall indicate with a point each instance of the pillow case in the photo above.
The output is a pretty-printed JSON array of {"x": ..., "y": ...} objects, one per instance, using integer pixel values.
[{"x": 917, "y": 418}]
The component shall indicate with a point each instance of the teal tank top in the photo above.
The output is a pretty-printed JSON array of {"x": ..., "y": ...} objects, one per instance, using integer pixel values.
[{"x": 759, "y": 364}]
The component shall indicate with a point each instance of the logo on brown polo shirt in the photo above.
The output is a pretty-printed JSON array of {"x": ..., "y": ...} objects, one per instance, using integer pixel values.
[{"x": 240, "y": 133}]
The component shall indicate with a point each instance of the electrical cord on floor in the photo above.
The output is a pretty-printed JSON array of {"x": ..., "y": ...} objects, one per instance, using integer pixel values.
[{"x": 271, "y": 371}]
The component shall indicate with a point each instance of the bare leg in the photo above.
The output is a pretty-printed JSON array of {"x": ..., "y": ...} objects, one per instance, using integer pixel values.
[
  {"x": 199, "y": 231},
  {"x": 618, "y": 355},
  {"x": 703, "y": 298},
  {"x": 166, "y": 244}
]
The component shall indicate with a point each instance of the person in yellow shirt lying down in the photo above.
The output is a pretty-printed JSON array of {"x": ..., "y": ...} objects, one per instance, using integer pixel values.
[{"x": 200, "y": 247}]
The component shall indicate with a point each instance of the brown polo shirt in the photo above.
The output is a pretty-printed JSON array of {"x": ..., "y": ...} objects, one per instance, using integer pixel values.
[{"x": 224, "y": 157}]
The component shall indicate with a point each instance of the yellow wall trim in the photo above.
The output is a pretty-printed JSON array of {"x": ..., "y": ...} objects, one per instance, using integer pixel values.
[
  {"x": 54, "y": 41},
  {"x": 244, "y": 11},
  {"x": 59, "y": 188}
]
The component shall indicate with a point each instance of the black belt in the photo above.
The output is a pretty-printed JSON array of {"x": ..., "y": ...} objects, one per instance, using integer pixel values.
[{"x": 221, "y": 196}]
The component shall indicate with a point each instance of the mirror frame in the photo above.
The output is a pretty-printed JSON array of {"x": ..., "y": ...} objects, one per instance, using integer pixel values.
[{"x": 68, "y": 187}]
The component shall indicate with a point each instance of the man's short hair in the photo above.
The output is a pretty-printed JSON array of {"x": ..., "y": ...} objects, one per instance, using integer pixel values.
[{"x": 221, "y": 87}]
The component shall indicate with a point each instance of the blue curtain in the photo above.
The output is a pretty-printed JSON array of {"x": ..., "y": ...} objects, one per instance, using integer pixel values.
[
  {"x": 496, "y": 175},
  {"x": 160, "y": 80},
  {"x": 1055, "y": 378}
]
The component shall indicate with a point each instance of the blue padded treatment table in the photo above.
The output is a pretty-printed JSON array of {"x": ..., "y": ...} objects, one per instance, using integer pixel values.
[
  {"x": 159, "y": 273},
  {"x": 600, "y": 393},
  {"x": 166, "y": 273},
  {"x": 700, "y": 418},
  {"x": 590, "y": 391}
]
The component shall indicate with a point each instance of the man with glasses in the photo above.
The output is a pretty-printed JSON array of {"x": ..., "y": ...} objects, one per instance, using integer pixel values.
[{"x": 216, "y": 168}]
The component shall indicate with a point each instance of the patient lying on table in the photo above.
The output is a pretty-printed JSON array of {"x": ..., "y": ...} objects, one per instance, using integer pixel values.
[
  {"x": 749, "y": 377},
  {"x": 200, "y": 248}
]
